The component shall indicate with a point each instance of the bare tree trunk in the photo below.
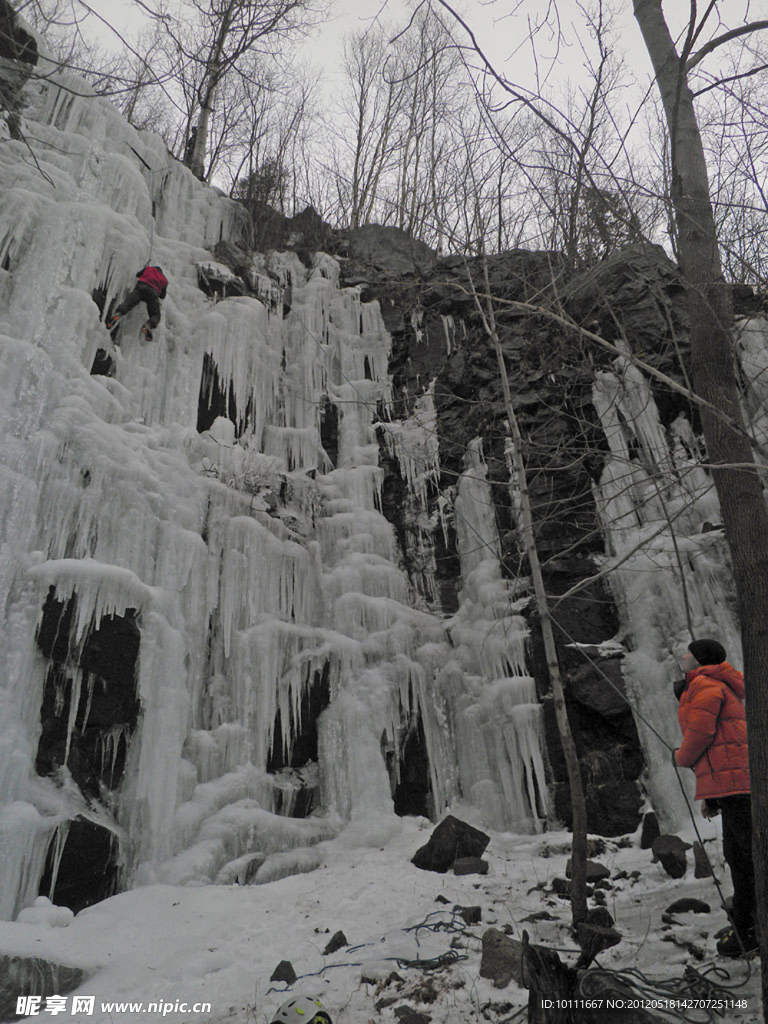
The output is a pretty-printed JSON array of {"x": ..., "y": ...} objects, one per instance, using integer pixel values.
[{"x": 743, "y": 505}]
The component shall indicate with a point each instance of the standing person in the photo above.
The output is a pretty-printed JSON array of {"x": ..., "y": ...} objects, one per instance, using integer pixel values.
[
  {"x": 714, "y": 725},
  {"x": 152, "y": 286}
]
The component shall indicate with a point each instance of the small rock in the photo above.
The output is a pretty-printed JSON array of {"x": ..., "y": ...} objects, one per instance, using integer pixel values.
[
  {"x": 338, "y": 939},
  {"x": 670, "y": 850},
  {"x": 688, "y": 905},
  {"x": 470, "y": 866},
  {"x": 441, "y": 899},
  {"x": 502, "y": 959},
  {"x": 595, "y": 871},
  {"x": 284, "y": 972},
  {"x": 411, "y": 1016},
  {"x": 471, "y": 915},
  {"x": 561, "y": 886}
]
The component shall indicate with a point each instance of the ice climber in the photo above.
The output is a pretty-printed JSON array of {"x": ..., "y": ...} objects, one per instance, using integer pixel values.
[
  {"x": 302, "y": 1010},
  {"x": 151, "y": 287},
  {"x": 714, "y": 726}
]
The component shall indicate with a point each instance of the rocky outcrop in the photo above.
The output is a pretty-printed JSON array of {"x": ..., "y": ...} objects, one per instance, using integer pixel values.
[
  {"x": 438, "y": 338},
  {"x": 18, "y": 55}
]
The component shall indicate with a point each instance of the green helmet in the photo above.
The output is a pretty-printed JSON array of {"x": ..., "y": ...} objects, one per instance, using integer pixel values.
[{"x": 302, "y": 1010}]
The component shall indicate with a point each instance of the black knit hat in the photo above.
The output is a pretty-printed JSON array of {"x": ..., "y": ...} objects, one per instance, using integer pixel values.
[{"x": 707, "y": 652}]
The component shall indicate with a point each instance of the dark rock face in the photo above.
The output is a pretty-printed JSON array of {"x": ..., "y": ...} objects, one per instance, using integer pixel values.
[
  {"x": 412, "y": 793},
  {"x": 450, "y": 841},
  {"x": 670, "y": 851},
  {"x": 437, "y": 337},
  {"x": 18, "y": 51},
  {"x": 95, "y": 752},
  {"x": 376, "y": 251}
]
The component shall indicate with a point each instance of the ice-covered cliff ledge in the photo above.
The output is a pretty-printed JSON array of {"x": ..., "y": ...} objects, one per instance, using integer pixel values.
[{"x": 207, "y": 627}]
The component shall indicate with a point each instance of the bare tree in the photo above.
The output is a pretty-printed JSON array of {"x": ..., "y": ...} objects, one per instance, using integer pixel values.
[
  {"x": 209, "y": 43},
  {"x": 740, "y": 489}
]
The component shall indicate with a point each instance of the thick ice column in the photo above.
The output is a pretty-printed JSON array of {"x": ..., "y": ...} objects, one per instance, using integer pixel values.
[
  {"x": 498, "y": 720},
  {"x": 353, "y": 772},
  {"x": 476, "y": 533}
]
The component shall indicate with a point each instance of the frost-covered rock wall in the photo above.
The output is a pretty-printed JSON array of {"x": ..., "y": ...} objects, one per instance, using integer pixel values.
[
  {"x": 626, "y": 516},
  {"x": 207, "y": 624}
]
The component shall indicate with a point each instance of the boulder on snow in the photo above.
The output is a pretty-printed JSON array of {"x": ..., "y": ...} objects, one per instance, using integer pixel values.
[
  {"x": 595, "y": 871},
  {"x": 688, "y": 905},
  {"x": 450, "y": 841},
  {"x": 470, "y": 915},
  {"x": 650, "y": 830},
  {"x": 670, "y": 850},
  {"x": 470, "y": 866},
  {"x": 502, "y": 959},
  {"x": 407, "y": 1015},
  {"x": 337, "y": 940},
  {"x": 284, "y": 972}
]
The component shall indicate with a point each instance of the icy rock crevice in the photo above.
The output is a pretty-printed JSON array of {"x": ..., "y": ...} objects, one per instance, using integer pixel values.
[{"x": 252, "y": 563}]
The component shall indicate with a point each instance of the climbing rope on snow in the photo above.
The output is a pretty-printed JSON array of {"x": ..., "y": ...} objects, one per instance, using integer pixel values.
[
  {"x": 456, "y": 923},
  {"x": 694, "y": 997},
  {"x": 434, "y": 963}
]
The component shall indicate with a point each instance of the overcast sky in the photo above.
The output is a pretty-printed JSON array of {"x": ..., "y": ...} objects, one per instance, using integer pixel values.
[{"x": 501, "y": 34}]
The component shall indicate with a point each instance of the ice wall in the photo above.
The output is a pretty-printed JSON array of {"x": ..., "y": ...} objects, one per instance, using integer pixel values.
[
  {"x": 253, "y": 566},
  {"x": 667, "y": 553}
]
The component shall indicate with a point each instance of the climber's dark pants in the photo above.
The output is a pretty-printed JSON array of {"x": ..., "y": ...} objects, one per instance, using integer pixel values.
[
  {"x": 142, "y": 293},
  {"x": 737, "y": 848}
]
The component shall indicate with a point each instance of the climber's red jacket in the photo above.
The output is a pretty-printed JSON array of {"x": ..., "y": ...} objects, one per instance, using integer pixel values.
[
  {"x": 714, "y": 724},
  {"x": 155, "y": 278}
]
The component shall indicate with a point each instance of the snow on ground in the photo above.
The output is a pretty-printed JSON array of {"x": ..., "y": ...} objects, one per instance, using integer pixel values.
[{"x": 220, "y": 944}]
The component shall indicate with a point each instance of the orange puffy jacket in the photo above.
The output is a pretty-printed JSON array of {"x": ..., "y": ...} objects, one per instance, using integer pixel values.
[{"x": 714, "y": 725}]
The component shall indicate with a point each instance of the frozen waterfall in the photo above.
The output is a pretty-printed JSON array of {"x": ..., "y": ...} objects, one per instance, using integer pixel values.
[{"x": 206, "y": 619}]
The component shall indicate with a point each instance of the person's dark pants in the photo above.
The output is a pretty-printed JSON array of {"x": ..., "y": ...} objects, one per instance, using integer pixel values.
[
  {"x": 142, "y": 293},
  {"x": 737, "y": 847}
]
